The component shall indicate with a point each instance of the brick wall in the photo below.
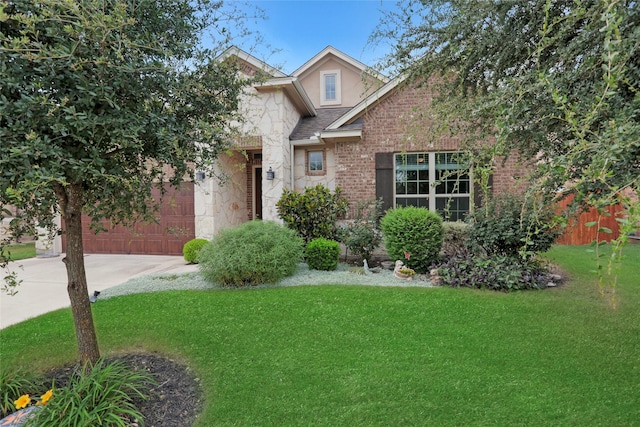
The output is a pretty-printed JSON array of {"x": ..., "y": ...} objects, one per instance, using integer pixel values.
[{"x": 401, "y": 122}]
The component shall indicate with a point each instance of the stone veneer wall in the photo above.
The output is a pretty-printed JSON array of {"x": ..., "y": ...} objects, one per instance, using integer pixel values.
[
  {"x": 272, "y": 116},
  {"x": 389, "y": 127},
  {"x": 276, "y": 150},
  {"x": 219, "y": 205}
]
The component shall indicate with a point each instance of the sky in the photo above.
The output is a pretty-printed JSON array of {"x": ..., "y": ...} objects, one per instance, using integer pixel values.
[{"x": 302, "y": 28}]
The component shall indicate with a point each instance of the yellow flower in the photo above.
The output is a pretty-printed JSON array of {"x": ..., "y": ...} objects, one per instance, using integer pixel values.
[
  {"x": 22, "y": 401},
  {"x": 45, "y": 398}
]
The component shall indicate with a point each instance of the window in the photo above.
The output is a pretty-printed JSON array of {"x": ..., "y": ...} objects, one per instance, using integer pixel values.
[
  {"x": 315, "y": 161},
  {"x": 433, "y": 180},
  {"x": 330, "y": 87}
]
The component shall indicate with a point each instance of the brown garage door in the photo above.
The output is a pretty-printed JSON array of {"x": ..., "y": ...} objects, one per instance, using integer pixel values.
[{"x": 175, "y": 227}]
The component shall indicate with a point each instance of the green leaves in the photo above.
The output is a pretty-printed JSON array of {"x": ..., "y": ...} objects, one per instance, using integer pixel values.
[
  {"x": 313, "y": 213},
  {"x": 554, "y": 80},
  {"x": 100, "y": 90}
]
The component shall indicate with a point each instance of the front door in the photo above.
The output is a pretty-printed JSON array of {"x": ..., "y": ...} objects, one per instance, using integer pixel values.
[{"x": 257, "y": 193}]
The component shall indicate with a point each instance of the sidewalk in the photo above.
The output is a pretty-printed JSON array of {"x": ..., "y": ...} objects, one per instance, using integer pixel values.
[{"x": 44, "y": 280}]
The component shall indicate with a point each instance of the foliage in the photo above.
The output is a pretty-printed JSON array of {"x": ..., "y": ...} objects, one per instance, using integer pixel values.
[
  {"x": 512, "y": 225},
  {"x": 192, "y": 248},
  {"x": 322, "y": 254},
  {"x": 362, "y": 236},
  {"x": 14, "y": 383},
  {"x": 413, "y": 235},
  {"x": 556, "y": 78},
  {"x": 254, "y": 253},
  {"x": 101, "y": 394},
  {"x": 555, "y": 81},
  {"x": 497, "y": 272},
  {"x": 455, "y": 237},
  {"x": 312, "y": 213},
  {"x": 100, "y": 100}
]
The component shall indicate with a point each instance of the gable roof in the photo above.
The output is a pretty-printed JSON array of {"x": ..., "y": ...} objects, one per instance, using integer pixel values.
[
  {"x": 293, "y": 89},
  {"x": 366, "y": 103},
  {"x": 333, "y": 124},
  {"x": 330, "y": 50},
  {"x": 251, "y": 60}
]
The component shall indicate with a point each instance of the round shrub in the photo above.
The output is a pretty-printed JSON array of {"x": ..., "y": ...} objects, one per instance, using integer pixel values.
[
  {"x": 512, "y": 225},
  {"x": 254, "y": 253},
  {"x": 191, "y": 250},
  {"x": 323, "y": 254},
  {"x": 413, "y": 235}
]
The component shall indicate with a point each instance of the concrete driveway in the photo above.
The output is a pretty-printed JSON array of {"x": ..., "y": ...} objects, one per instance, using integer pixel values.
[{"x": 44, "y": 280}]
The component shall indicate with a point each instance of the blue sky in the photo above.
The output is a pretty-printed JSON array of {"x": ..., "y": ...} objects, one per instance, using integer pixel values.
[{"x": 302, "y": 28}]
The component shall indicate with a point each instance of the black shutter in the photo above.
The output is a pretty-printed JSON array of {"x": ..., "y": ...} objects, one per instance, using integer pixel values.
[
  {"x": 384, "y": 179},
  {"x": 478, "y": 194}
]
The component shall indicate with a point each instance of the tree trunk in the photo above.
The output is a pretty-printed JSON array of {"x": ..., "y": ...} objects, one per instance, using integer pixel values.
[{"x": 70, "y": 199}]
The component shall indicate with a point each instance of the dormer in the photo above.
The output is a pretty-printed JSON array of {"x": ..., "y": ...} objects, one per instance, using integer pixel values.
[{"x": 333, "y": 79}]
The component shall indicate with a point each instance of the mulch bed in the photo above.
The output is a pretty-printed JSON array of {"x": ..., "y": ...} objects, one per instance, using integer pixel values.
[{"x": 174, "y": 401}]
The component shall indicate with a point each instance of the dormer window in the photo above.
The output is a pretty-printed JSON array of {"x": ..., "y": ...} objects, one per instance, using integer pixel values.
[{"x": 330, "y": 87}]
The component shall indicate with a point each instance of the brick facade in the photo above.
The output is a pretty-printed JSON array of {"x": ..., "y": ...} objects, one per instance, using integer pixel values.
[{"x": 391, "y": 126}]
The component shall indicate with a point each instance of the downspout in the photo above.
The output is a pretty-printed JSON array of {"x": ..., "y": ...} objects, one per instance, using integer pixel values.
[{"x": 292, "y": 165}]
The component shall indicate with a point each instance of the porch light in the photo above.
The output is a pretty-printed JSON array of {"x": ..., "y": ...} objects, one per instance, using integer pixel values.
[
  {"x": 270, "y": 174},
  {"x": 200, "y": 176}
]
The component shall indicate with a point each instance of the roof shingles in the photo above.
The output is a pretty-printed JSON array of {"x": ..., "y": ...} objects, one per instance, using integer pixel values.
[{"x": 309, "y": 126}]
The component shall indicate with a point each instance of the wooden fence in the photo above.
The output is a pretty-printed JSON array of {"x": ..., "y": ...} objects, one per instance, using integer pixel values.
[{"x": 578, "y": 233}]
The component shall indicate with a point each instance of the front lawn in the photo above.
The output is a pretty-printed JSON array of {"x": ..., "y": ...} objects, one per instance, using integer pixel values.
[
  {"x": 20, "y": 251},
  {"x": 360, "y": 355}
]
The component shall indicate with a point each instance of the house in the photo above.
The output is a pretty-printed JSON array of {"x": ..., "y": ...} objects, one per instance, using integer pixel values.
[{"x": 333, "y": 121}]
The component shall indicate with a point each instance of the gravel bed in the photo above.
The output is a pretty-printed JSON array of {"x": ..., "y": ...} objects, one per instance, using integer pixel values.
[{"x": 344, "y": 275}]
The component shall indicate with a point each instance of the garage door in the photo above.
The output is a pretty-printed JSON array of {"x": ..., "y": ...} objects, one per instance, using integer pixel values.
[{"x": 175, "y": 227}]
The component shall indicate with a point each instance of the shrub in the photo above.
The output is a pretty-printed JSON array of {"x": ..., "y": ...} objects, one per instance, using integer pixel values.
[
  {"x": 413, "y": 235},
  {"x": 323, "y": 254},
  {"x": 455, "y": 237},
  {"x": 192, "y": 248},
  {"x": 498, "y": 272},
  {"x": 513, "y": 225},
  {"x": 363, "y": 235},
  {"x": 313, "y": 213},
  {"x": 14, "y": 384},
  {"x": 102, "y": 394},
  {"x": 254, "y": 253}
]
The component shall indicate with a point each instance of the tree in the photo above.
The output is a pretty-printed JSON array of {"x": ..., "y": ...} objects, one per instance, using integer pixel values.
[
  {"x": 100, "y": 100},
  {"x": 555, "y": 80}
]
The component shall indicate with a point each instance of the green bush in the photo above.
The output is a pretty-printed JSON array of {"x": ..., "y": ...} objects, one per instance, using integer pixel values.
[
  {"x": 322, "y": 254},
  {"x": 363, "y": 235},
  {"x": 413, "y": 235},
  {"x": 313, "y": 213},
  {"x": 101, "y": 395},
  {"x": 254, "y": 253},
  {"x": 513, "y": 225},
  {"x": 498, "y": 272},
  {"x": 192, "y": 248},
  {"x": 455, "y": 238}
]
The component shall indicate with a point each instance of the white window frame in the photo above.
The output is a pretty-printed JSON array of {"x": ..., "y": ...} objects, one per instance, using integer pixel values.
[
  {"x": 432, "y": 196},
  {"x": 323, "y": 87}
]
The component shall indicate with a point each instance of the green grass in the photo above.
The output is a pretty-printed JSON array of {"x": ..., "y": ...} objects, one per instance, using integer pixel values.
[
  {"x": 357, "y": 355},
  {"x": 20, "y": 251}
]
